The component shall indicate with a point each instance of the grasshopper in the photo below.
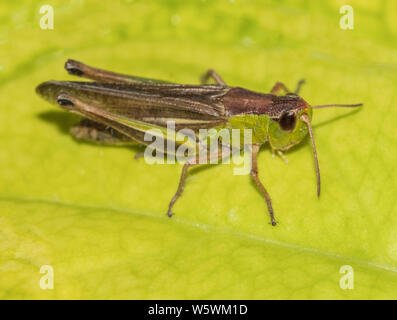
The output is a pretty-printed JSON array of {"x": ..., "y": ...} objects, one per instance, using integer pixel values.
[{"x": 119, "y": 108}]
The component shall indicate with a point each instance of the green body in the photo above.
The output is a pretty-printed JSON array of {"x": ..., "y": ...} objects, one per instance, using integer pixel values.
[{"x": 264, "y": 129}]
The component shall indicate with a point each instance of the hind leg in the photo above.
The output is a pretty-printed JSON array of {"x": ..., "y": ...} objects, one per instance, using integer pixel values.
[
  {"x": 77, "y": 68},
  {"x": 92, "y": 131}
]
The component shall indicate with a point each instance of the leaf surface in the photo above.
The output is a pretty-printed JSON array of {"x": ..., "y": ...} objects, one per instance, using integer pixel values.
[{"x": 97, "y": 216}]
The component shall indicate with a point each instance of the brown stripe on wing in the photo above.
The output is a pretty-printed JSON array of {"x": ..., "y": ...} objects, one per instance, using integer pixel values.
[
  {"x": 190, "y": 106},
  {"x": 239, "y": 101},
  {"x": 145, "y": 100}
]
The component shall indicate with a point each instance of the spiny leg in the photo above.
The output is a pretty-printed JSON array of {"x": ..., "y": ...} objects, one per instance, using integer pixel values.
[
  {"x": 80, "y": 69},
  {"x": 186, "y": 166},
  {"x": 214, "y": 75},
  {"x": 254, "y": 175},
  {"x": 278, "y": 86},
  {"x": 72, "y": 102},
  {"x": 281, "y": 86},
  {"x": 282, "y": 156},
  {"x": 280, "y": 153},
  {"x": 179, "y": 191},
  {"x": 91, "y": 131}
]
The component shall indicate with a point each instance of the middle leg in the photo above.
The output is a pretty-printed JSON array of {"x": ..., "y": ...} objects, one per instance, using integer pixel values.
[
  {"x": 186, "y": 166},
  {"x": 214, "y": 75},
  {"x": 278, "y": 86},
  {"x": 281, "y": 86}
]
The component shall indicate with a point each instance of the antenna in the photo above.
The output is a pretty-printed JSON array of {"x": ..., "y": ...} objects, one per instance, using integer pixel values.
[
  {"x": 338, "y": 105},
  {"x": 305, "y": 118}
]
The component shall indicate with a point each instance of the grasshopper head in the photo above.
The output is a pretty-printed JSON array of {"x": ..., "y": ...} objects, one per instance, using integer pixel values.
[
  {"x": 293, "y": 122},
  {"x": 286, "y": 127}
]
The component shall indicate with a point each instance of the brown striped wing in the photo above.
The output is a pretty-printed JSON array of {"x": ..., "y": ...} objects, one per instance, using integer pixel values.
[{"x": 189, "y": 106}]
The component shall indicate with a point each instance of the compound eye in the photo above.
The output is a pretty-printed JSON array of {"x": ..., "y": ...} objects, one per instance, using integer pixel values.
[{"x": 287, "y": 121}]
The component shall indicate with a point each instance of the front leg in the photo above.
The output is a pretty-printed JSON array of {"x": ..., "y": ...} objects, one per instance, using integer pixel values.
[{"x": 254, "y": 175}]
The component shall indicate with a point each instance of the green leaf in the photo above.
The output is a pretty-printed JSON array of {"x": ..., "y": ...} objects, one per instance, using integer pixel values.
[{"x": 97, "y": 216}]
